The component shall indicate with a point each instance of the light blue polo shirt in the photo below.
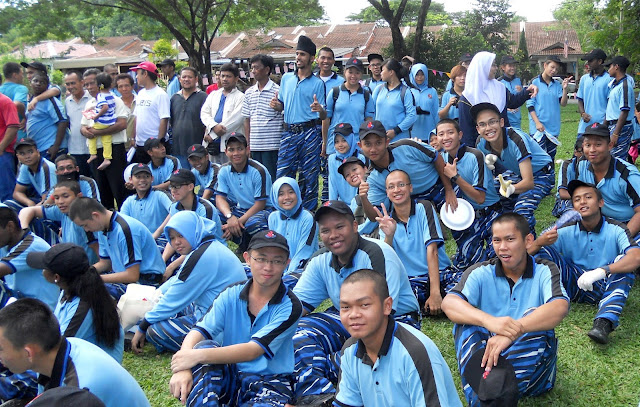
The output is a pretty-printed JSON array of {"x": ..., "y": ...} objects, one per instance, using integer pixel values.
[
  {"x": 334, "y": 80},
  {"x": 82, "y": 364},
  {"x": 162, "y": 172},
  {"x": 301, "y": 233},
  {"x": 76, "y": 320},
  {"x": 511, "y": 84},
  {"x": 409, "y": 371},
  {"x": 173, "y": 86},
  {"x": 566, "y": 173},
  {"x": 42, "y": 180},
  {"x": 128, "y": 242},
  {"x": 42, "y": 123},
  {"x": 29, "y": 282},
  {"x": 594, "y": 92},
  {"x": 373, "y": 84},
  {"x": 518, "y": 146},
  {"x": 207, "y": 180},
  {"x": 339, "y": 188},
  {"x": 88, "y": 187},
  {"x": 17, "y": 93},
  {"x": 324, "y": 275},
  {"x": 471, "y": 168},
  {"x": 592, "y": 249},
  {"x": 453, "y": 110},
  {"x": 546, "y": 105},
  {"x": 395, "y": 113},
  {"x": 415, "y": 158},
  {"x": 297, "y": 97},
  {"x": 427, "y": 100},
  {"x": 348, "y": 108},
  {"x": 245, "y": 187},
  {"x": 485, "y": 286},
  {"x": 205, "y": 209},
  {"x": 151, "y": 210},
  {"x": 412, "y": 238},
  {"x": 621, "y": 98},
  {"x": 620, "y": 187},
  {"x": 72, "y": 233},
  {"x": 272, "y": 328}
]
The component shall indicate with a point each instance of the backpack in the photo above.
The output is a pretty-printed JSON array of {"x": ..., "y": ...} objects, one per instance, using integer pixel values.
[{"x": 367, "y": 94}]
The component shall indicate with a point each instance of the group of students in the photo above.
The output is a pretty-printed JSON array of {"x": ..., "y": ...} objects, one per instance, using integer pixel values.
[{"x": 382, "y": 265}]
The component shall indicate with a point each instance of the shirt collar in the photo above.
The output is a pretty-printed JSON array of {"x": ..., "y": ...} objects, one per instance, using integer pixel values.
[
  {"x": 269, "y": 85},
  {"x": 146, "y": 195},
  {"x": 610, "y": 171},
  {"x": 154, "y": 167},
  {"x": 361, "y": 350},
  {"x": 411, "y": 212},
  {"x": 276, "y": 299},
  {"x": 306, "y": 77},
  {"x": 507, "y": 78},
  {"x": 335, "y": 263},
  {"x": 505, "y": 141},
  {"x": 333, "y": 75},
  {"x": 243, "y": 170},
  {"x": 591, "y": 74},
  {"x": 344, "y": 88},
  {"x": 181, "y": 207},
  {"x": 543, "y": 81},
  {"x": 528, "y": 272},
  {"x": 39, "y": 166},
  {"x": 596, "y": 229},
  {"x": 380, "y": 169},
  {"x": 112, "y": 222},
  {"x": 59, "y": 367},
  {"x": 461, "y": 151},
  {"x": 294, "y": 216}
]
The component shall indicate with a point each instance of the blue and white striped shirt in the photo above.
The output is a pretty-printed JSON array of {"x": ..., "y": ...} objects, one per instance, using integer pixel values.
[{"x": 266, "y": 123}]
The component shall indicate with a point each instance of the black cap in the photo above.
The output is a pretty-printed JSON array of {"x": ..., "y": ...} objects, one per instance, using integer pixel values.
[
  {"x": 466, "y": 57},
  {"x": 196, "y": 150},
  {"x": 27, "y": 141},
  {"x": 475, "y": 109},
  {"x": 335, "y": 206},
  {"x": 349, "y": 160},
  {"x": 354, "y": 63},
  {"x": 238, "y": 137},
  {"x": 66, "y": 259},
  {"x": 554, "y": 58},
  {"x": 35, "y": 65},
  {"x": 167, "y": 61},
  {"x": 372, "y": 127},
  {"x": 507, "y": 59},
  {"x": 597, "y": 129},
  {"x": 343, "y": 128},
  {"x": 182, "y": 176},
  {"x": 268, "y": 238},
  {"x": 305, "y": 44},
  {"x": 623, "y": 62},
  {"x": 595, "y": 54},
  {"x": 66, "y": 396},
  {"x": 374, "y": 56},
  {"x": 499, "y": 387},
  {"x": 151, "y": 143},
  {"x": 138, "y": 168},
  {"x": 576, "y": 183}
]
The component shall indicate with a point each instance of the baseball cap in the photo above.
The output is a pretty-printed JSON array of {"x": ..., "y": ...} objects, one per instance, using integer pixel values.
[
  {"x": 619, "y": 60},
  {"x": 576, "y": 183},
  {"x": 66, "y": 396},
  {"x": 138, "y": 168},
  {"x": 349, "y": 160},
  {"x": 35, "y": 65},
  {"x": 268, "y": 238},
  {"x": 196, "y": 150},
  {"x": 554, "y": 58},
  {"x": 182, "y": 176},
  {"x": 372, "y": 127},
  {"x": 374, "y": 56},
  {"x": 475, "y": 109},
  {"x": 27, "y": 141},
  {"x": 507, "y": 59},
  {"x": 151, "y": 143},
  {"x": 146, "y": 66},
  {"x": 167, "y": 61},
  {"x": 466, "y": 57},
  {"x": 66, "y": 259},
  {"x": 498, "y": 387},
  {"x": 335, "y": 206},
  {"x": 597, "y": 129},
  {"x": 354, "y": 63},
  {"x": 343, "y": 128},
  {"x": 238, "y": 137},
  {"x": 595, "y": 54}
]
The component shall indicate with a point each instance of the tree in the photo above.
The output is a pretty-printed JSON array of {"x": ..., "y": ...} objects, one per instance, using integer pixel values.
[
  {"x": 436, "y": 16},
  {"x": 492, "y": 20},
  {"x": 525, "y": 68}
]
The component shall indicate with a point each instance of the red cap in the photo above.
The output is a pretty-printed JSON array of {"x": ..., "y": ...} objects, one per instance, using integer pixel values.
[{"x": 147, "y": 66}]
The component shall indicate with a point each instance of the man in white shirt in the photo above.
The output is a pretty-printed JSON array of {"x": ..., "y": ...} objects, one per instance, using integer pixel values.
[{"x": 74, "y": 105}]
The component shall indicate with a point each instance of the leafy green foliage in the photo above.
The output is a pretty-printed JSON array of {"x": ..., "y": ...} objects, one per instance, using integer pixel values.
[
  {"x": 436, "y": 16},
  {"x": 492, "y": 20},
  {"x": 262, "y": 14}
]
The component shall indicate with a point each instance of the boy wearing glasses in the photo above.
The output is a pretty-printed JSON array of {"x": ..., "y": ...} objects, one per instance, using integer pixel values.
[
  {"x": 255, "y": 321},
  {"x": 530, "y": 168}
]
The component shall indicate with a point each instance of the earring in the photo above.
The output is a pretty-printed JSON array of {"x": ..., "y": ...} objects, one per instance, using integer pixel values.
[{"x": 55, "y": 281}]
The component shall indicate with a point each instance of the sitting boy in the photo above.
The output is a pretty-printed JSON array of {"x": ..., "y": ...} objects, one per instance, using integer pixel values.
[
  {"x": 161, "y": 164},
  {"x": 205, "y": 171}
]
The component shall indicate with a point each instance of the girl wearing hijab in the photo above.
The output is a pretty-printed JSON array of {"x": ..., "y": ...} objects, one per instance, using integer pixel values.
[
  {"x": 426, "y": 99},
  {"x": 346, "y": 143},
  {"x": 294, "y": 222},
  {"x": 208, "y": 268},
  {"x": 482, "y": 87},
  {"x": 394, "y": 103},
  {"x": 85, "y": 309}
]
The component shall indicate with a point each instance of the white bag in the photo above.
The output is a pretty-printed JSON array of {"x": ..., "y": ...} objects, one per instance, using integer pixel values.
[{"x": 136, "y": 301}]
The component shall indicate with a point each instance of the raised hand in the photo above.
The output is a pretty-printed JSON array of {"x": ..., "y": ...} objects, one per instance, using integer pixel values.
[
  {"x": 316, "y": 106},
  {"x": 387, "y": 224}
]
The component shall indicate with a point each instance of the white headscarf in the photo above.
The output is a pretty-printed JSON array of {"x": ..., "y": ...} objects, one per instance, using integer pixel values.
[{"x": 478, "y": 87}]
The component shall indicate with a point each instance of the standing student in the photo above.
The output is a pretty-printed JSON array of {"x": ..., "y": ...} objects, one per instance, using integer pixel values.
[
  {"x": 326, "y": 59},
  {"x": 513, "y": 85},
  {"x": 13, "y": 88},
  {"x": 394, "y": 102},
  {"x": 619, "y": 106},
  {"x": 168, "y": 68},
  {"x": 375, "y": 68},
  {"x": 426, "y": 100},
  {"x": 450, "y": 98},
  {"x": 593, "y": 90}
]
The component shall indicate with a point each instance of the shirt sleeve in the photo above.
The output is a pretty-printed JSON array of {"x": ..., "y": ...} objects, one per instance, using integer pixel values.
[
  {"x": 261, "y": 184},
  {"x": 396, "y": 274},
  {"x": 409, "y": 110},
  {"x": 164, "y": 106},
  {"x": 214, "y": 320},
  {"x": 280, "y": 328},
  {"x": 330, "y": 103},
  {"x": 245, "y": 103},
  {"x": 430, "y": 225},
  {"x": 23, "y": 176},
  {"x": 222, "y": 188},
  {"x": 311, "y": 288},
  {"x": 370, "y": 107},
  {"x": 52, "y": 212},
  {"x": 131, "y": 258},
  {"x": 102, "y": 246},
  {"x": 468, "y": 287},
  {"x": 348, "y": 394}
]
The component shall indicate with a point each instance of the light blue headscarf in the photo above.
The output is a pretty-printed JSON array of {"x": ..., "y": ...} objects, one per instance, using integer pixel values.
[
  {"x": 275, "y": 189},
  {"x": 193, "y": 227},
  {"x": 352, "y": 140},
  {"x": 414, "y": 72}
]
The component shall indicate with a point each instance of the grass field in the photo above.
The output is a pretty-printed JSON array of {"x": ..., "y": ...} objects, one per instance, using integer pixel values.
[{"x": 588, "y": 374}]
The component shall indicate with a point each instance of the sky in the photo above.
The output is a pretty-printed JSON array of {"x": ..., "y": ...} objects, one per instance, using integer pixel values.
[{"x": 538, "y": 10}]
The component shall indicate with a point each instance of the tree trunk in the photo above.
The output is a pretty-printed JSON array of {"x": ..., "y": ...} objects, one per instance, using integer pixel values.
[{"x": 422, "y": 16}]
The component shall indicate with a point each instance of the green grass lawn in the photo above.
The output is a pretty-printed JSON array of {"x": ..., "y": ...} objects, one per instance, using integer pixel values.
[{"x": 588, "y": 374}]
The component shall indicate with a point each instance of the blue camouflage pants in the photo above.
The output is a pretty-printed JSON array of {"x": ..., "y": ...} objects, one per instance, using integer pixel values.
[
  {"x": 434, "y": 194},
  {"x": 561, "y": 206},
  {"x": 215, "y": 385},
  {"x": 317, "y": 344},
  {"x": 533, "y": 357},
  {"x": 257, "y": 222},
  {"x": 621, "y": 149},
  {"x": 610, "y": 294},
  {"x": 547, "y": 145},
  {"x": 17, "y": 385},
  {"x": 300, "y": 152},
  {"x": 421, "y": 286},
  {"x": 474, "y": 243},
  {"x": 168, "y": 335}
]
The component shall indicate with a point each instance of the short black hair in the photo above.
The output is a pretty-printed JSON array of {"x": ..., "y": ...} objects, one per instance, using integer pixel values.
[
  {"x": 28, "y": 321},
  {"x": 65, "y": 157},
  {"x": 449, "y": 121},
  {"x": 327, "y": 49},
  {"x": 124, "y": 76},
  {"x": 90, "y": 71},
  {"x": 8, "y": 215},
  {"x": 192, "y": 70},
  {"x": 265, "y": 60},
  {"x": 380, "y": 286},
  {"x": 72, "y": 185},
  {"x": 41, "y": 75},
  {"x": 518, "y": 220},
  {"x": 83, "y": 207},
  {"x": 103, "y": 80},
  {"x": 230, "y": 67},
  {"x": 11, "y": 68},
  {"x": 74, "y": 72}
]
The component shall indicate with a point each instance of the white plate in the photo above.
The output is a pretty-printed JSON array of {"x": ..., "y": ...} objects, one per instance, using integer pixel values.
[
  {"x": 461, "y": 219},
  {"x": 127, "y": 172}
]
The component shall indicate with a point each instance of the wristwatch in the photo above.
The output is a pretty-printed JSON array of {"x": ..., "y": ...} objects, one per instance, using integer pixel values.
[
  {"x": 454, "y": 179},
  {"x": 228, "y": 215}
]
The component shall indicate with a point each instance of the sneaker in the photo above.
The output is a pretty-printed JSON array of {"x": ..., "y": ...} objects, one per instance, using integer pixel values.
[
  {"x": 600, "y": 332},
  {"x": 316, "y": 400}
]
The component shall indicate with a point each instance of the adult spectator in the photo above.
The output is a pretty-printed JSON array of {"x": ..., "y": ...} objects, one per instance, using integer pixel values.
[
  {"x": 124, "y": 84},
  {"x": 185, "y": 107},
  {"x": 152, "y": 110},
  {"x": 513, "y": 84},
  {"x": 168, "y": 68},
  {"x": 426, "y": 100},
  {"x": 326, "y": 60},
  {"x": 450, "y": 98},
  {"x": 74, "y": 105},
  {"x": 593, "y": 90},
  {"x": 375, "y": 68},
  {"x": 9, "y": 123},
  {"x": 302, "y": 97},
  {"x": 262, "y": 124},
  {"x": 394, "y": 102},
  {"x": 13, "y": 88},
  {"x": 620, "y": 107},
  {"x": 215, "y": 85},
  {"x": 110, "y": 181},
  {"x": 221, "y": 113},
  {"x": 112, "y": 71}
]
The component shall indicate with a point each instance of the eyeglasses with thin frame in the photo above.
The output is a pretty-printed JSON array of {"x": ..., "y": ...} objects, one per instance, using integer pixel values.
[
  {"x": 391, "y": 187},
  {"x": 262, "y": 260},
  {"x": 491, "y": 123},
  {"x": 178, "y": 186}
]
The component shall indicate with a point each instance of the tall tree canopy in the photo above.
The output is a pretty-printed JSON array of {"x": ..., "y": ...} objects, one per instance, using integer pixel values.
[{"x": 436, "y": 16}]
